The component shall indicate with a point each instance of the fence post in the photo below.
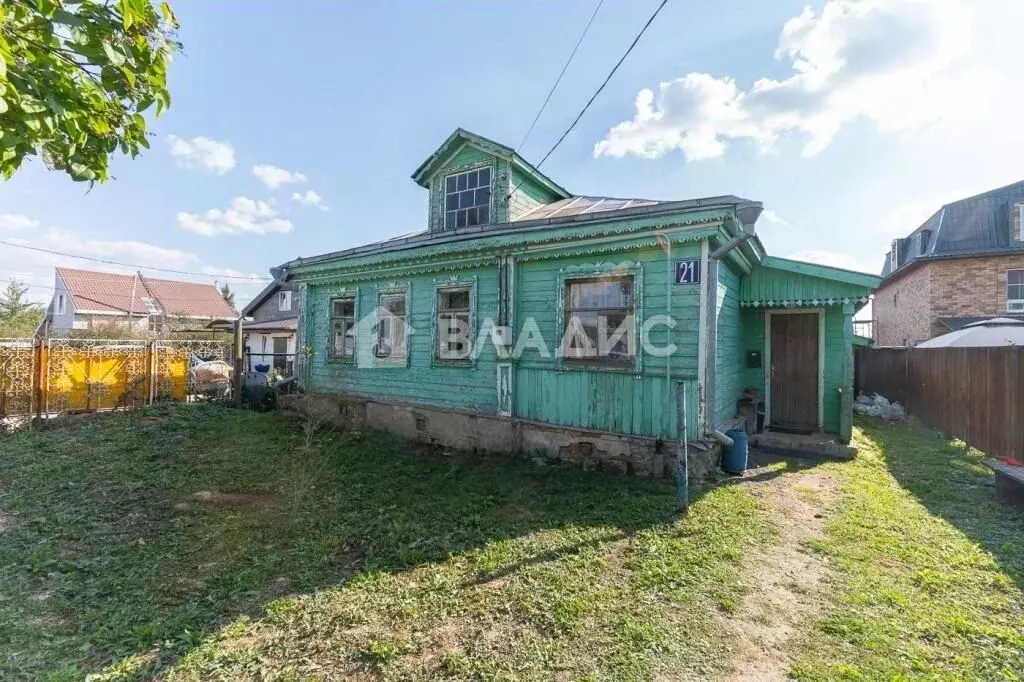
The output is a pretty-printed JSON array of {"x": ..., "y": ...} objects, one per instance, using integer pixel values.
[
  {"x": 238, "y": 363},
  {"x": 38, "y": 374},
  {"x": 151, "y": 373}
]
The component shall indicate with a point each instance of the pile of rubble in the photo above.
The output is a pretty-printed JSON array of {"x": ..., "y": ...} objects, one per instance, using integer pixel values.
[{"x": 875, "y": 405}]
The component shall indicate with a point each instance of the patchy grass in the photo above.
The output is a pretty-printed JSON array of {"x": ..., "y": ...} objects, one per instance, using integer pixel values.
[
  {"x": 929, "y": 566},
  {"x": 164, "y": 544}
]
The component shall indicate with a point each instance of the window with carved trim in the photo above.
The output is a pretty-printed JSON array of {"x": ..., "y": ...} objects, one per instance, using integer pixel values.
[
  {"x": 454, "y": 335},
  {"x": 391, "y": 316},
  {"x": 343, "y": 327},
  {"x": 599, "y": 320}
]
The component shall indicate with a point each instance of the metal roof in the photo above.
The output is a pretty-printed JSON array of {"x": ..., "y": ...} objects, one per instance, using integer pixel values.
[
  {"x": 557, "y": 219},
  {"x": 978, "y": 225}
]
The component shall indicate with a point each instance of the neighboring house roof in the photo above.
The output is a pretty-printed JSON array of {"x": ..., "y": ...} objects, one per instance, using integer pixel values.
[
  {"x": 995, "y": 332},
  {"x": 107, "y": 292},
  {"x": 975, "y": 226},
  {"x": 460, "y": 138},
  {"x": 188, "y": 298},
  {"x": 262, "y": 297},
  {"x": 287, "y": 325}
]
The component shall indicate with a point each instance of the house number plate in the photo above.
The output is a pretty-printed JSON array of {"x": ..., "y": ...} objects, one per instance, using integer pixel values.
[{"x": 688, "y": 271}]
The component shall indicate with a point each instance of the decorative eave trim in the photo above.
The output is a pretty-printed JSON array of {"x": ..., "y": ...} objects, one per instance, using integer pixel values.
[
  {"x": 804, "y": 302},
  {"x": 520, "y": 244}
]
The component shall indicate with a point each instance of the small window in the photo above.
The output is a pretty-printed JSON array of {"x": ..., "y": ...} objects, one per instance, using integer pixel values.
[
  {"x": 1015, "y": 291},
  {"x": 343, "y": 327},
  {"x": 284, "y": 301},
  {"x": 155, "y": 324},
  {"x": 390, "y": 326},
  {"x": 454, "y": 334},
  {"x": 467, "y": 199},
  {"x": 61, "y": 304},
  {"x": 599, "y": 323}
]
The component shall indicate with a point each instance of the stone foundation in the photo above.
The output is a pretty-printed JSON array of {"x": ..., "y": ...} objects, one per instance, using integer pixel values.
[{"x": 595, "y": 450}]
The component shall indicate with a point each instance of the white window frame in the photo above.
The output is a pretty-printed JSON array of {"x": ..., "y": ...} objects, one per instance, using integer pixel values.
[
  {"x": 566, "y": 314},
  {"x": 386, "y": 325},
  {"x": 62, "y": 307},
  {"x": 490, "y": 197},
  {"x": 344, "y": 296},
  {"x": 439, "y": 356},
  {"x": 284, "y": 301},
  {"x": 1011, "y": 302},
  {"x": 1020, "y": 221}
]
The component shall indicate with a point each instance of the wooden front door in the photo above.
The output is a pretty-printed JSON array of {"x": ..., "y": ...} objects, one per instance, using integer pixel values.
[{"x": 794, "y": 371}]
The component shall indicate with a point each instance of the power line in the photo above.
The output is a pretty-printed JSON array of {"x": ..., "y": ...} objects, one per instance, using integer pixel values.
[
  {"x": 598, "y": 91},
  {"x": 562, "y": 73},
  {"x": 134, "y": 265}
]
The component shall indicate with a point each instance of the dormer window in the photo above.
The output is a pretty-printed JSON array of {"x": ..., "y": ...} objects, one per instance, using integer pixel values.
[{"x": 467, "y": 199}]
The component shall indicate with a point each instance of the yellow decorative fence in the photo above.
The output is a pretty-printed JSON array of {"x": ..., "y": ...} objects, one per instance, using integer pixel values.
[{"x": 49, "y": 376}]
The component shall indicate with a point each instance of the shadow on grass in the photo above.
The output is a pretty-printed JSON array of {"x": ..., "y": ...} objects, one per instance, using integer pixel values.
[
  {"x": 107, "y": 555},
  {"x": 947, "y": 477}
]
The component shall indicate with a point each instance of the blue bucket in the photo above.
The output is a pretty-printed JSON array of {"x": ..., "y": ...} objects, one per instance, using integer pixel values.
[{"x": 734, "y": 457}]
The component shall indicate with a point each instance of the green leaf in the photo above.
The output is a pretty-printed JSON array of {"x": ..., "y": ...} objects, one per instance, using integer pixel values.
[
  {"x": 62, "y": 16},
  {"x": 115, "y": 56},
  {"x": 3, "y": 67},
  {"x": 3, "y": 105}
]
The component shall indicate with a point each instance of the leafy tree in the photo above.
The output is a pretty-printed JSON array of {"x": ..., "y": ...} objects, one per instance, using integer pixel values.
[
  {"x": 19, "y": 317},
  {"x": 76, "y": 77},
  {"x": 228, "y": 295}
]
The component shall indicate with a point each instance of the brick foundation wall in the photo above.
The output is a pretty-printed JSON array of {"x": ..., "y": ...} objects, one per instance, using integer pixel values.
[{"x": 903, "y": 309}]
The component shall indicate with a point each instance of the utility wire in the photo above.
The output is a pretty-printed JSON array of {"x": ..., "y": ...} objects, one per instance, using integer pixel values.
[
  {"x": 596, "y": 92},
  {"x": 134, "y": 265},
  {"x": 562, "y": 73}
]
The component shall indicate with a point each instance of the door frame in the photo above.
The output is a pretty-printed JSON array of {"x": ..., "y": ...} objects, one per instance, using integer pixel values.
[{"x": 820, "y": 312}]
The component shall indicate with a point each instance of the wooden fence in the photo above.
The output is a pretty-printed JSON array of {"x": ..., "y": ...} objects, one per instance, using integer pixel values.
[
  {"x": 50, "y": 376},
  {"x": 974, "y": 394}
]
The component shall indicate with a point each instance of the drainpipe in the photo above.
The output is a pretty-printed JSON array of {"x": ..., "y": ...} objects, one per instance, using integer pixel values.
[
  {"x": 682, "y": 449},
  {"x": 747, "y": 214}
]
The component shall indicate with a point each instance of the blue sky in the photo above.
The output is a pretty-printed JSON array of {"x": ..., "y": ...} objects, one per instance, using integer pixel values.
[{"x": 852, "y": 120}]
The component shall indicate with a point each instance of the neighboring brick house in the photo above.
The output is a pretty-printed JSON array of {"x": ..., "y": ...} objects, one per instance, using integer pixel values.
[
  {"x": 270, "y": 333},
  {"x": 963, "y": 265}
]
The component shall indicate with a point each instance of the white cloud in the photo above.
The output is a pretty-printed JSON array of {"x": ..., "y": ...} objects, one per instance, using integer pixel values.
[
  {"x": 834, "y": 260},
  {"x": 16, "y": 221},
  {"x": 309, "y": 198},
  {"x": 243, "y": 216},
  {"x": 202, "y": 152},
  {"x": 896, "y": 63},
  {"x": 273, "y": 177},
  {"x": 773, "y": 218}
]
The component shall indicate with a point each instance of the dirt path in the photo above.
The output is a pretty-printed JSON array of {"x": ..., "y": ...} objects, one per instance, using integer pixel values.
[{"x": 785, "y": 582}]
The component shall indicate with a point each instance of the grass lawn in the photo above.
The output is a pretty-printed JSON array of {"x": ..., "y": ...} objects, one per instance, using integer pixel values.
[
  {"x": 389, "y": 562},
  {"x": 928, "y": 566},
  {"x": 374, "y": 559}
]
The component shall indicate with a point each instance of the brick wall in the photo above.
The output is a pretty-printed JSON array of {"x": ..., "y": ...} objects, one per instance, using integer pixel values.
[
  {"x": 970, "y": 287},
  {"x": 903, "y": 310},
  {"x": 907, "y": 310}
]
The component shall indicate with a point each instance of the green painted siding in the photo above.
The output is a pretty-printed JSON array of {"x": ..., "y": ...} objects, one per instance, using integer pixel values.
[
  {"x": 787, "y": 288},
  {"x": 729, "y": 359},
  {"x": 468, "y": 388},
  {"x": 603, "y": 398},
  {"x": 527, "y": 194},
  {"x": 752, "y": 321}
]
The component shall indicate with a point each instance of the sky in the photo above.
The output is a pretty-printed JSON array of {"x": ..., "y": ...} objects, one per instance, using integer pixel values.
[{"x": 294, "y": 127}]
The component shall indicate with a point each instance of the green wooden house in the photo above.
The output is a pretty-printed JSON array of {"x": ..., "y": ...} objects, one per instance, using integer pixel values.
[{"x": 525, "y": 317}]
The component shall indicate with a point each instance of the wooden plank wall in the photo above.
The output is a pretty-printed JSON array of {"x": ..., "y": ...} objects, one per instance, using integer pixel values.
[{"x": 969, "y": 393}]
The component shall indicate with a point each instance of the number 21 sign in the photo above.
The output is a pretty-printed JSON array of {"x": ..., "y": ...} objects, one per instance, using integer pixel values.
[{"x": 688, "y": 271}]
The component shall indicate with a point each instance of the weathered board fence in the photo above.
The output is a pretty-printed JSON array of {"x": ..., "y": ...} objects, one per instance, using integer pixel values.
[
  {"x": 974, "y": 394},
  {"x": 48, "y": 376}
]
